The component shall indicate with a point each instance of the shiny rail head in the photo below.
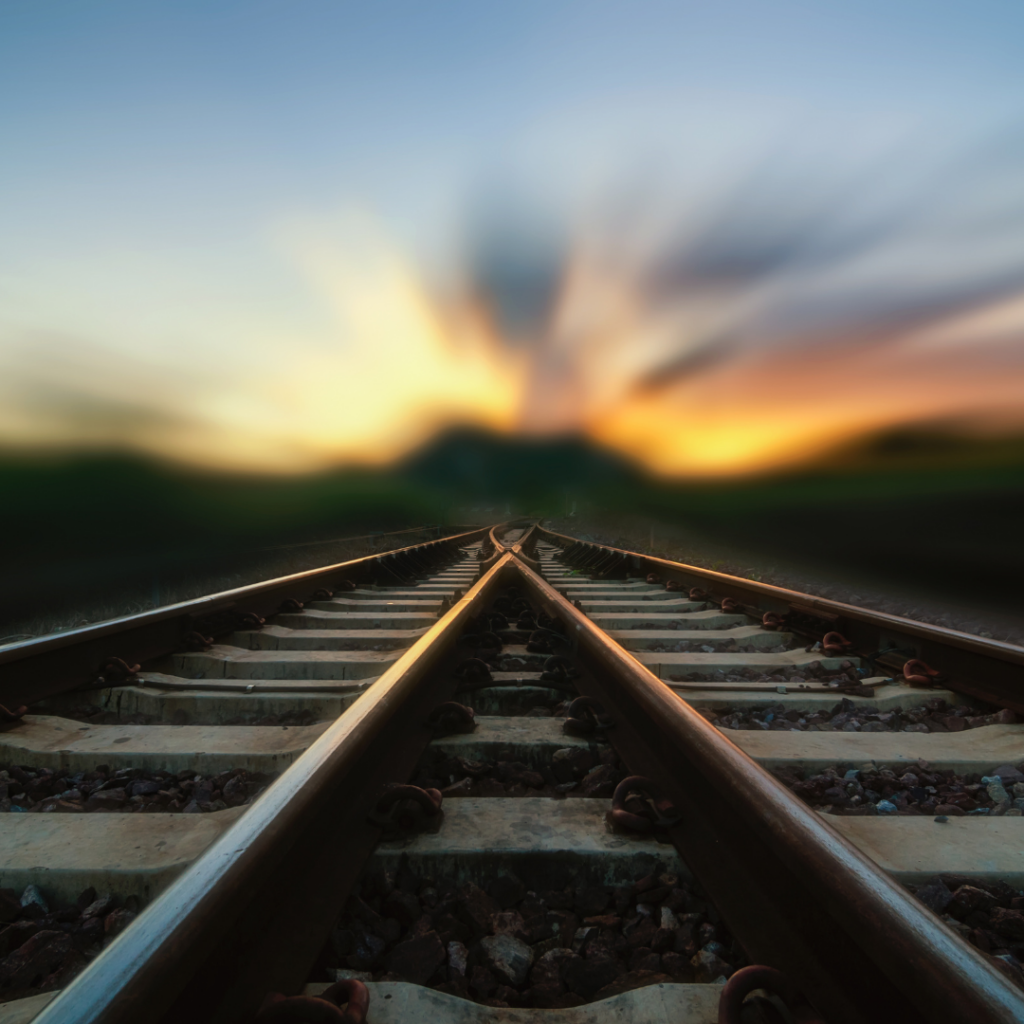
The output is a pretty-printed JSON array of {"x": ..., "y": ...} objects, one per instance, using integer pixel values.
[
  {"x": 187, "y": 926},
  {"x": 928, "y": 968}
]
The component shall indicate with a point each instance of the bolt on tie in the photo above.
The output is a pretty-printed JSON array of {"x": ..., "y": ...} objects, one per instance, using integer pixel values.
[
  {"x": 747, "y": 980},
  {"x": 451, "y": 717},
  {"x": 585, "y": 716},
  {"x": 648, "y": 809},
  {"x": 322, "y": 1009}
]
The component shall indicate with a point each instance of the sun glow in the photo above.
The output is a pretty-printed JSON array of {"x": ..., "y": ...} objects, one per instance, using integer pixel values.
[
  {"x": 770, "y": 412},
  {"x": 382, "y": 369},
  {"x": 405, "y": 366},
  {"x": 642, "y": 377},
  {"x": 689, "y": 382}
]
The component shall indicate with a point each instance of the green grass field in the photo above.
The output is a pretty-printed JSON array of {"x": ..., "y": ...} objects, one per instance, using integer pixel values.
[{"x": 939, "y": 511}]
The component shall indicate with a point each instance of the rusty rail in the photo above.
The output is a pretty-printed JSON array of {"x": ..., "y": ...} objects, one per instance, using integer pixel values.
[
  {"x": 797, "y": 895},
  {"x": 249, "y": 916},
  {"x": 985, "y": 668},
  {"x": 34, "y": 669}
]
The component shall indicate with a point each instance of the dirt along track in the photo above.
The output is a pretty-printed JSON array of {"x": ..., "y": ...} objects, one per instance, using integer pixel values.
[{"x": 507, "y": 775}]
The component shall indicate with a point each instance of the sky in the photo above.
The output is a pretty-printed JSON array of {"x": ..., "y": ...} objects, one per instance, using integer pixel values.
[{"x": 718, "y": 238}]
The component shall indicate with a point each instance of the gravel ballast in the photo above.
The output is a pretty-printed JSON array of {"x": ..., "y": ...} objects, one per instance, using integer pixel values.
[
  {"x": 935, "y": 715},
  {"x": 125, "y": 791},
  {"x": 919, "y": 791},
  {"x": 988, "y": 914},
  {"x": 572, "y": 771},
  {"x": 42, "y": 948},
  {"x": 508, "y": 946}
]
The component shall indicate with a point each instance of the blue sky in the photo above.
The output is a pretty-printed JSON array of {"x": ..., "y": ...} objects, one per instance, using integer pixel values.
[
  {"x": 159, "y": 160},
  {"x": 205, "y": 119}
]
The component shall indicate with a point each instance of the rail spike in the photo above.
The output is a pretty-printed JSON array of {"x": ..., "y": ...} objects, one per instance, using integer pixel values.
[
  {"x": 920, "y": 673},
  {"x": 452, "y": 717},
  {"x": 640, "y": 805},
  {"x": 7, "y": 715},
  {"x": 559, "y": 669},
  {"x": 834, "y": 644},
  {"x": 473, "y": 672},
  {"x": 585, "y": 716},
  {"x": 195, "y": 641},
  {"x": 322, "y": 1009},
  {"x": 748, "y": 980},
  {"x": 405, "y": 810},
  {"x": 116, "y": 670}
]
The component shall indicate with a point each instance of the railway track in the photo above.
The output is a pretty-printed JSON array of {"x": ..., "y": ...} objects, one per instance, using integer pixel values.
[{"x": 263, "y": 803}]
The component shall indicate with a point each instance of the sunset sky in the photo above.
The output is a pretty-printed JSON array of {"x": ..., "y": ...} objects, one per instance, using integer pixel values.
[{"x": 717, "y": 237}]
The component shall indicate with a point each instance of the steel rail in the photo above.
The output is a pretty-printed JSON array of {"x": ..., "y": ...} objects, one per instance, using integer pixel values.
[
  {"x": 525, "y": 549},
  {"x": 251, "y": 914},
  {"x": 797, "y": 895},
  {"x": 518, "y": 547},
  {"x": 990, "y": 669},
  {"x": 33, "y": 669},
  {"x": 495, "y": 535}
]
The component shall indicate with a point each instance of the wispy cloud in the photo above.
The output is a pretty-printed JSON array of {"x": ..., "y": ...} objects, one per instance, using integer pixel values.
[{"x": 701, "y": 329}]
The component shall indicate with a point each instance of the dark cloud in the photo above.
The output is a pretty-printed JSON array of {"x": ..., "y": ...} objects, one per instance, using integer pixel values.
[{"x": 515, "y": 255}]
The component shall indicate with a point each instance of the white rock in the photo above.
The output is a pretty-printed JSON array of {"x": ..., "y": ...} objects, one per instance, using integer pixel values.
[
  {"x": 994, "y": 787},
  {"x": 33, "y": 895},
  {"x": 708, "y": 968},
  {"x": 508, "y": 956},
  {"x": 457, "y": 957},
  {"x": 343, "y": 974}
]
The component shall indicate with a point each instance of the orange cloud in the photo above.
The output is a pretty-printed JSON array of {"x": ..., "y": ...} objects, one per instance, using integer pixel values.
[{"x": 689, "y": 383}]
